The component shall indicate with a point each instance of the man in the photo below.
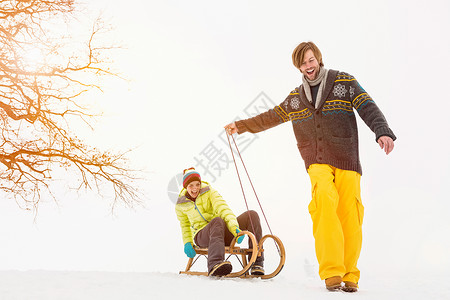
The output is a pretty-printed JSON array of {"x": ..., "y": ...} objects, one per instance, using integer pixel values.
[
  {"x": 322, "y": 114},
  {"x": 206, "y": 219}
]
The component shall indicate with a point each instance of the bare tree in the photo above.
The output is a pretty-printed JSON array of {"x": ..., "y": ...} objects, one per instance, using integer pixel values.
[{"x": 39, "y": 101}]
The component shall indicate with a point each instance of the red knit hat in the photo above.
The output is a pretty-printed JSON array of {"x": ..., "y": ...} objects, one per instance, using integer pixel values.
[{"x": 190, "y": 175}]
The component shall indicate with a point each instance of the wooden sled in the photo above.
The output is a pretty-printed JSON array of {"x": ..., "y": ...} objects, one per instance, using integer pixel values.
[{"x": 241, "y": 254}]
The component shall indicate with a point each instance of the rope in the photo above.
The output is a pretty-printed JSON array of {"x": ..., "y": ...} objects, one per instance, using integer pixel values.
[
  {"x": 239, "y": 177},
  {"x": 251, "y": 183}
]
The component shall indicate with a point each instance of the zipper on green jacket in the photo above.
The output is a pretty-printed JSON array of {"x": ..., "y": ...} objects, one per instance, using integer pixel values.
[{"x": 195, "y": 204}]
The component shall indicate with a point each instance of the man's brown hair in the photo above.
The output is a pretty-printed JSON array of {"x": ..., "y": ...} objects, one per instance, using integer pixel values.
[{"x": 299, "y": 53}]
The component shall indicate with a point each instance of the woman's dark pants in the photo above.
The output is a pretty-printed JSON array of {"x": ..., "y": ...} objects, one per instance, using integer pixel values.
[{"x": 215, "y": 236}]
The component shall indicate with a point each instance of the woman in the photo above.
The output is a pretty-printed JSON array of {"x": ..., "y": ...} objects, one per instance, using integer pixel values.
[{"x": 207, "y": 221}]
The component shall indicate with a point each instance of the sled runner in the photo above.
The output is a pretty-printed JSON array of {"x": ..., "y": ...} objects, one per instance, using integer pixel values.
[{"x": 245, "y": 256}]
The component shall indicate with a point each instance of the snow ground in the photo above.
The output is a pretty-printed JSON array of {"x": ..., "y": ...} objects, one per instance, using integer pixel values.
[{"x": 50, "y": 285}]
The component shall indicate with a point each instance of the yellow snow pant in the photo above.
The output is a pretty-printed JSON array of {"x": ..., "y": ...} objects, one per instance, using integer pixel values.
[{"x": 337, "y": 214}]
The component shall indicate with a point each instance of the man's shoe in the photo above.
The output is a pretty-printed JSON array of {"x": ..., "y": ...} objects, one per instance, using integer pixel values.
[
  {"x": 221, "y": 269},
  {"x": 350, "y": 287},
  {"x": 333, "y": 283},
  {"x": 257, "y": 270}
]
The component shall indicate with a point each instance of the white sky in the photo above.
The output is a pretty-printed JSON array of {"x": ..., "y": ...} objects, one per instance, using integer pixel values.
[{"x": 194, "y": 66}]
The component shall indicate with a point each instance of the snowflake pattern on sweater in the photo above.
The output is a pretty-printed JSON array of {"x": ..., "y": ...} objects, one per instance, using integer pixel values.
[
  {"x": 339, "y": 90},
  {"x": 295, "y": 103}
]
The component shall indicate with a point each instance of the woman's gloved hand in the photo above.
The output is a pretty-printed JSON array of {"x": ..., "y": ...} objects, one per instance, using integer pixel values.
[
  {"x": 241, "y": 238},
  {"x": 189, "y": 250}
]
